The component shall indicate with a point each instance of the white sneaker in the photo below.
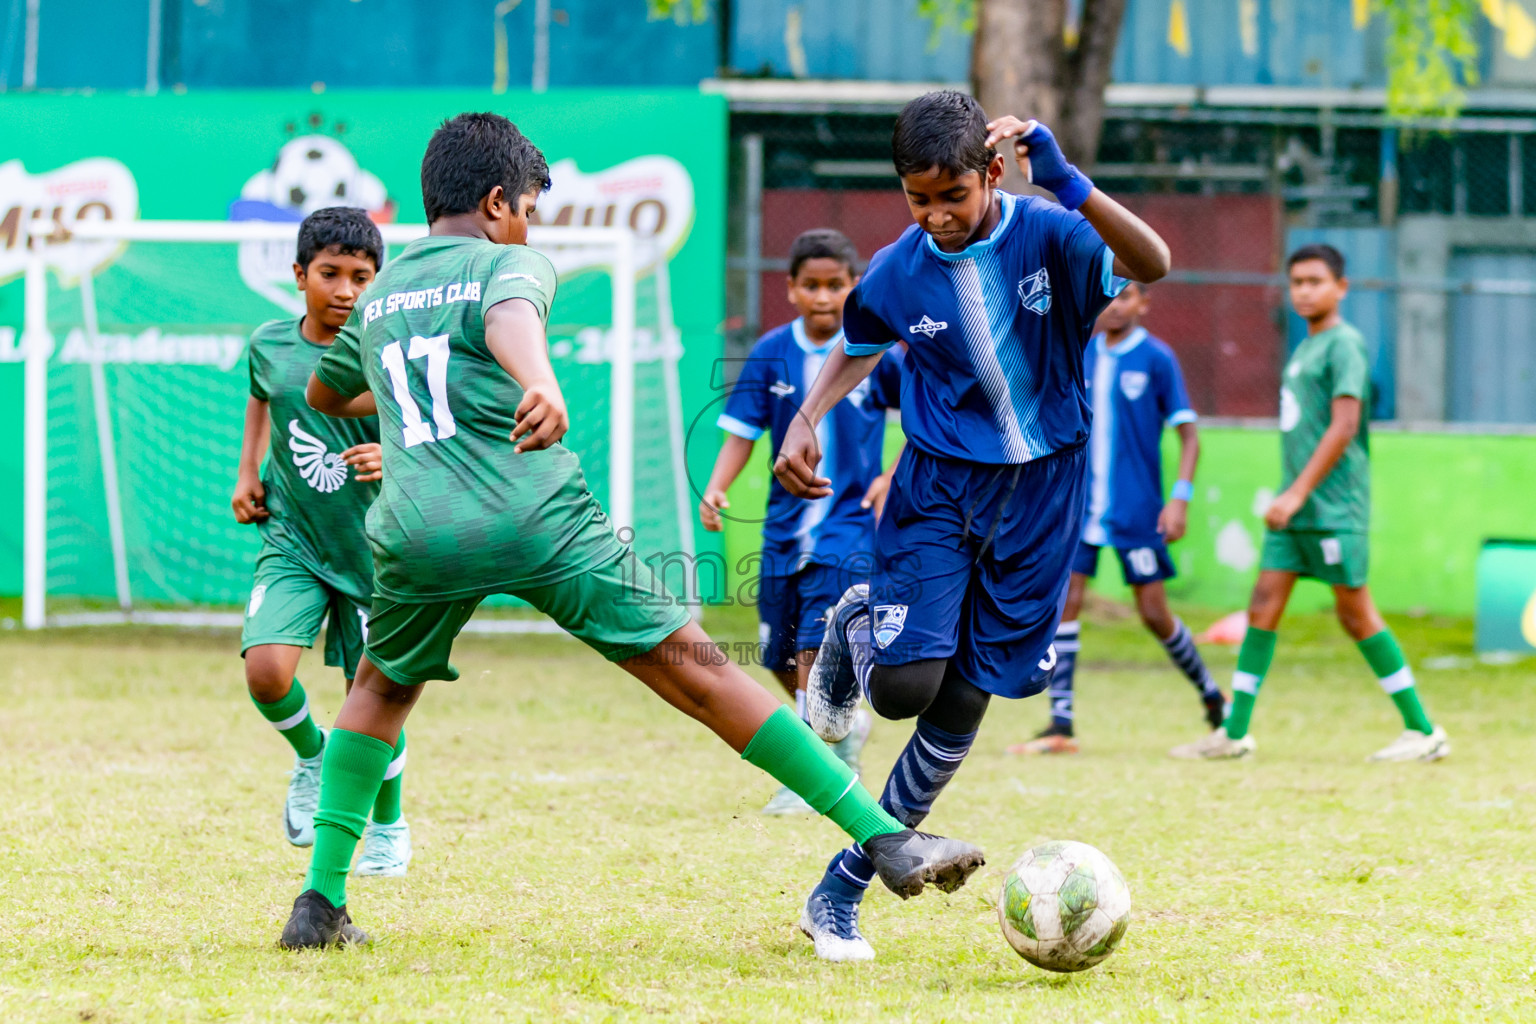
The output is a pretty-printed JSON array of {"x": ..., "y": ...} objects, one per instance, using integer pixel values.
[
  {"x": 1413, "y": 745},
  {"x": 386, "y": 849},
  {"x": 1215, "y": 746},
  {"x": 833, "y": 926},
  {"x": 303, "y": 797},
  {"x": 786, "y": 803},
  {"x": 850, "y": 747}
]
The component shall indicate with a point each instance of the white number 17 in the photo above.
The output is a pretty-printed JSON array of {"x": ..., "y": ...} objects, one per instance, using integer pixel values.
[{"x": 435, "y": 350}]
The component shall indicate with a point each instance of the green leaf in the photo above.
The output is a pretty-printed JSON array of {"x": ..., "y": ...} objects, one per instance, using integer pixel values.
[{"x": 1431, "y": 51}]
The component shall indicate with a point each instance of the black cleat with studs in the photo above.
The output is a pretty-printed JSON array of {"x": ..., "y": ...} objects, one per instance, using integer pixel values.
[
  {"x": 316, "y": 923},
  {"x": 909, "y": 860}
]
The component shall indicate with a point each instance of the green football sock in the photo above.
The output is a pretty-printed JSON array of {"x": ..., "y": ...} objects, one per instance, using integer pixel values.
[
  {"x": 290, "y": 716},
  {"x": 1391, "y": 668},
  {"x": 386, "y": 808},
  {"x": 1253, "y": 660},
  {"x": 785, "y": 748},
  {"x": 349, "y": 783}
]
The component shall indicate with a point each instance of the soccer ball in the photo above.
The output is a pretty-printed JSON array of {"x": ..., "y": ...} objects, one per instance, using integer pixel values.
[{"x": 1064, "y": 906}]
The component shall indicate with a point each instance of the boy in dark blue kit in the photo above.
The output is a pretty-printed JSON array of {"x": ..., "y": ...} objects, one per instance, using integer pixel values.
[
  {"x": 995, "y": 296},
  {"x": 813, "y": 551},
  {"x": 1135, "y": 387}
]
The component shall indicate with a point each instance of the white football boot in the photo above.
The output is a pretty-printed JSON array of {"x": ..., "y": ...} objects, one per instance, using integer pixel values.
[
  {"x": 386, "y": 849},
  {"x": 1413, "y": 745},
  {"x": 1215, "y": 746},
  {"x": 303, "y": 797}
]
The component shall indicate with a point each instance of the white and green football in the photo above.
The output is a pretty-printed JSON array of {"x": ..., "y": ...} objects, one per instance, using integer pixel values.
[{"x": 1064, "y": 906}]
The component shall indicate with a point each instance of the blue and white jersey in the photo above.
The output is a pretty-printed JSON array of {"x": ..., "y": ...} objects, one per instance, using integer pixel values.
[
  {"x": 995, "y": 332},
  {"x": 766, "y": 397},
  {"x": 1134, "y": 387}
]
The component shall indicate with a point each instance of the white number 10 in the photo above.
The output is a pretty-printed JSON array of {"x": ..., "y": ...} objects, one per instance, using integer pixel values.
[{"x": 435, "y": 349}]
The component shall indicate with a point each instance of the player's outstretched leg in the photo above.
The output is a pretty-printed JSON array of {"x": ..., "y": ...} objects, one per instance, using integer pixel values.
[
  {"x": 357, "y": 756},
  {"x": 387, "y": 839},
  {"x": 841, "y": 670},
  {"x": 281, "y": 699},
  {"x": 944, "y": 735},
  {"x": 773, "y": 738}
]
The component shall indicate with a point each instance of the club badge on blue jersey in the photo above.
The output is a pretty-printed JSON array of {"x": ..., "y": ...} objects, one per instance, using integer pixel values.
[
  {"x": 890, "y": 620},
  {"x": 1035, "y": 292}
]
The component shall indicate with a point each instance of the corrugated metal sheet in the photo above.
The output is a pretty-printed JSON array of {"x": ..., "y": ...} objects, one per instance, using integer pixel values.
[
  {"x": 869, "y": 39},
  {"x": 1492, "y": 359}
]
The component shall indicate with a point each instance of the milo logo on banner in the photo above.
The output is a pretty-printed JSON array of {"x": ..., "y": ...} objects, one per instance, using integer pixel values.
[
  {"x": 310, "y": 173},
  {"x": 652, "y": 196},
  {"x": 96, "y": 189}
]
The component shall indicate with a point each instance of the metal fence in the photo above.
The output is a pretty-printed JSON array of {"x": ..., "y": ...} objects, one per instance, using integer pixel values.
[{"x": 1438, "y": 227}]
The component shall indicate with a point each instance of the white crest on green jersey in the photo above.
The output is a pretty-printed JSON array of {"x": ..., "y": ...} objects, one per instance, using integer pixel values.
[{"x": 323, "y": 470}]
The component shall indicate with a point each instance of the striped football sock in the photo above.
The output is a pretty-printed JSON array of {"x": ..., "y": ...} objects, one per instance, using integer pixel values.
[
  {"x": 1067, "y": 646},
  {"x": 1253, "y": 660},
  {"x": 1386, "y": 659},
  {"x": 930, "y": 760},
  {"x": 1186, "y": 656},
  {"x": 290, "y": 716}
]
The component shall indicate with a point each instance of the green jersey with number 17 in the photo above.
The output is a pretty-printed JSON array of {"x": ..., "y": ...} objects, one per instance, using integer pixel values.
[
  {"x": 1328, "y": 365},
  {"x": 460, "y": 513}
]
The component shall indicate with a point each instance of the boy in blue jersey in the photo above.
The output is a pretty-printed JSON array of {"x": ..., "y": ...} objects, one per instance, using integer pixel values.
[
  {"x": 995, "y": 295},
  {"x": 813, "y": 551},
  {"x": 1135, "y": 386}
]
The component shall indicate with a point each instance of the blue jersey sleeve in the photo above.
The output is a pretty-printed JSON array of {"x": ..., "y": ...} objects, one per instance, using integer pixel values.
[
  {"x": 1173, "y": 399},
  {"x": 864, "y": 332},
  {"x": 746, "y": 407},
  {"x": 885, "y": 382},
  {"x": 1088, "y": 264}
]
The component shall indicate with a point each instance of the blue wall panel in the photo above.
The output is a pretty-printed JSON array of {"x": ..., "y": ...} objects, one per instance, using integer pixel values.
[{"x": 864, "y": 39}]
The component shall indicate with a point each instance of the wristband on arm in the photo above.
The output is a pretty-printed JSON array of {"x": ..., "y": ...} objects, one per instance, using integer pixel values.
[
  {"x": 1183, "y": 490},
  {"x": 1049, "y": 168}
]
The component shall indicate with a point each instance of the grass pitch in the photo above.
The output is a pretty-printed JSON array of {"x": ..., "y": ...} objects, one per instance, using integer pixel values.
[{"x": 583, "y": 853}]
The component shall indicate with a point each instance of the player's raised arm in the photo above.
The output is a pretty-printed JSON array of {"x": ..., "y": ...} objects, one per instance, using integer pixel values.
[
  {"x": 798, "y": 457},
  {"x": 514, "y": 334},
  {"x": 1140, "y": 253}
]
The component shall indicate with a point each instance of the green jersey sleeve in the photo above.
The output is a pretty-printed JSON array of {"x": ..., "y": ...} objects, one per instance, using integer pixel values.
[
  {"x": 1351, "y": 368},
  {"x": 521, "y": 273},
  {"x": 341, "y": 368},
  {"x": 256, "y": 360}
]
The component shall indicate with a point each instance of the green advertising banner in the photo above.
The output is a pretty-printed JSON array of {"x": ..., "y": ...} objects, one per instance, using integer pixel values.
[{"x": 166, "y": 371}]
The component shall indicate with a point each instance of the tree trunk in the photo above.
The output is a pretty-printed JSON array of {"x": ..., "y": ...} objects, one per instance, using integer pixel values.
[
  {"x": 1087, "y": 77},
  {"x": 1020, "y": 65},
  {"x": 1016, "y": 63}
]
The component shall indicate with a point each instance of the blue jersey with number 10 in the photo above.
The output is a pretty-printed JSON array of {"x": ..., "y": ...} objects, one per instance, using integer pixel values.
[{"x": 995, "y": 332}]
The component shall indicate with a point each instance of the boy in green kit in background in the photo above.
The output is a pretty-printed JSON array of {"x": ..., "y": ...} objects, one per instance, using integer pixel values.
[
  {"x": 320, "y": 477},
  {"x": 1318, "y": 525}
]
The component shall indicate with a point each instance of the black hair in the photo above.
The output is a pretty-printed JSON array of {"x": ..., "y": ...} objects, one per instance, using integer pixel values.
[
  {"x": 947, "y": 130},
  {"x": 343, "y": 230},
  {"x": 1327, "y": 253},
  {"x": 823, "y": 243},
  {"x": 473, "y": 153}
]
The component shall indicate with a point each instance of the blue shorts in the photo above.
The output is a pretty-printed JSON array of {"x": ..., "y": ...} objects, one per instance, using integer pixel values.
[
  {"x": 792, "y": 610},
  {"x": 1140, "y": 565},
  {"x": 972, "y": 563}
]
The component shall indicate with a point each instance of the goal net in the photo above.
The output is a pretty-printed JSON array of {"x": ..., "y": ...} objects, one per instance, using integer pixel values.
[{"x": 136, "y": 384}]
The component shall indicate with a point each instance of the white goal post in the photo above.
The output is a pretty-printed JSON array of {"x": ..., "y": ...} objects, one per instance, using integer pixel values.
[{"x": 623, "y": 257}]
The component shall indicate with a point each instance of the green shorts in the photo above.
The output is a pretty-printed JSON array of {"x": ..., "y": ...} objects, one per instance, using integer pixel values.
[
  {"x": 619, "y": 609},
  {"x": 287, "y": 605},
  {"x": 1338, "y": 558}
]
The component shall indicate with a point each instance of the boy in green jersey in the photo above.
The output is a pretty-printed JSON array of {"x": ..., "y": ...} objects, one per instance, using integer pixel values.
[
  {"x": 479, "y": 498},
  {"x": 1318, "y": 525},
  {"x": 309, "y": 506}
]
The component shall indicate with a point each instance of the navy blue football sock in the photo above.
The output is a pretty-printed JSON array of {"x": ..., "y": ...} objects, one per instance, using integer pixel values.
[
  {"x": 1186, "y": 656},
  {"x": 1067, "y": 646}
]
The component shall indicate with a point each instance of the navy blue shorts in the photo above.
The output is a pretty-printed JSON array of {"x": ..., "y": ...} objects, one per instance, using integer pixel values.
[
  {"x": 972, "y": 563},
  {"x": 792, "y": 611},
  {"x": 1148, "y": 563}
]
